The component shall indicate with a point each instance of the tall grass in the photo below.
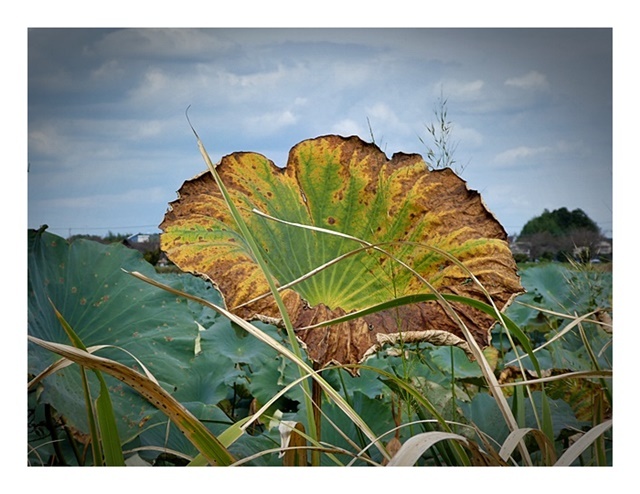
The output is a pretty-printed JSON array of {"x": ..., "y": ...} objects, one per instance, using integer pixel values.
[{"x": 438, "y": 436}]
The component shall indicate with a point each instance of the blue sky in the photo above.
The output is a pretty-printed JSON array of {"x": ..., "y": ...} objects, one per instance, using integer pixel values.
[{"x": 109, "y": 144}]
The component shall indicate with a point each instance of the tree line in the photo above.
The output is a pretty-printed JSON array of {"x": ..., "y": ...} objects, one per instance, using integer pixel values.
[{"x": 560, "y": 235}]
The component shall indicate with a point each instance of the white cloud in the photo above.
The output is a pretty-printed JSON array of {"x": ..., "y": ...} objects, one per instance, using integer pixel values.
[
  {"x": 348, "y": 127},
  {"x": 459, "y": 90},
  {"x": 154, "y": 85},
  {"x": 144, "y": 129},
  {"x": 520, "y": 153},
  {"x": 155, "y": 80},
  {"x": 388, "y": 124},
  {"x": 46, "y": 140},
  {"x": 76, "y": 141},
  {"x": 531, "y": 80},
  {"x": 512, "y": 156},
  {"x": 349, "y": 75},
  {"x": 203, "y": 84},
  {"x": 270, "y": 122},
  {"x": 468, "y": 135},
  {"x": 382, "y": 112},
  {"x": 254, "y": 80}
]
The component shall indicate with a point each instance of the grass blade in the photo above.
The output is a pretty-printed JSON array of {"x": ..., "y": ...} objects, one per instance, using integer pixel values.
[
  {"x": 414, "y": 447},
  {"x": 105, "y": 437},
  {"x": 109, "y": 437},
  {"x": 306, "y": 370},
  {"x": 194, "y": 430},
  {"x": 474, "y": 348},
  {"x": 580, "y": 446},
  {"x": 545, "y": 444},
  {"x": 96, "y": 444},
  {"x": 248, "y": 237}
]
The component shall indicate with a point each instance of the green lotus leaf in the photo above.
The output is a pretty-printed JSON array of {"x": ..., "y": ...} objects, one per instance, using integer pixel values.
[
  {"x": 104, "y": 305},
  {"x": 347, "y": 186}
]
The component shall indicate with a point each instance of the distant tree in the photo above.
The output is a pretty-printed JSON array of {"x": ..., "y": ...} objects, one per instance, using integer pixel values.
[
  {"x": 561, "y": 234},
  {"x": 113, "y": 238},
  {"x": 559, "y": 222},
  {"x": 152, "y": 256},
  {"x": 584, "y": 243},
  {"x": 109, "y": 238},
  {"x": 544, "y": 245},
  {"x": 94, "y": 238}
]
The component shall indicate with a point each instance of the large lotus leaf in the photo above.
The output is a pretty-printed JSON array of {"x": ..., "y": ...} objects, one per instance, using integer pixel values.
[
  {"x": 561, "y": 289},
  {"x": 348, "y": 186},
  {"x": 106, "y": 306},
  {"x": 484, "y": 413}
]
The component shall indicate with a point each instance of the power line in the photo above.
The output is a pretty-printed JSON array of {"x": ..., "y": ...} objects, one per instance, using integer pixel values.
[
  {"x": 99, "y": 227},
  {"x": 83, "y": 229}
]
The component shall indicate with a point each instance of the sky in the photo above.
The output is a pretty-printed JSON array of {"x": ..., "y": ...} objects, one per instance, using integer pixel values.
[{"x": 109, "y": 143}]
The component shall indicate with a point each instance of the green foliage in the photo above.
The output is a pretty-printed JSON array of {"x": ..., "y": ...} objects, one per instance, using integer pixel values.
[
  {"x": 235, "y": 383},
  {"x": 559, "y": 222},
  {"x": 112, "y": 238},
  {"x": 566, "y": 344},
  {"x": 105, "y": 306},
  {"x": 562, "y": 235},
  {"x": 233, "y": 373},
  {"x": 152, "y": 256}
]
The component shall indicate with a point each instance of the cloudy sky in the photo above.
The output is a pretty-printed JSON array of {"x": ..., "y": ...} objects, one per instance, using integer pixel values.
[{"x": 109, "y": 144}]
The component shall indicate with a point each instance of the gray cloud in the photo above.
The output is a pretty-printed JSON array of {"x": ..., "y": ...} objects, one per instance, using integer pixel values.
[{"x": 107, "y": 109}]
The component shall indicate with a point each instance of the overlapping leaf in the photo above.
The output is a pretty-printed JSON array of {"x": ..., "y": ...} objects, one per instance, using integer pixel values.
[
  {"x": 348, "y": 186},
  {"x": 84, "y": 280}
]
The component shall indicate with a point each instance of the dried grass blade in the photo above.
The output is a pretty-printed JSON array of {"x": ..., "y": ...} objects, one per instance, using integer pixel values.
[
  {"x": 197, "y": 433},
  {"x": 265, "y": 338},
  {"x": 576, "y": 321},
  {"x": 415, "y": 447},
  {"x": 518, "y": 435},
  {"x": 577, "y": 448},
  {"x": 63, "y": 362},
  {"x": 473, "y": 344},
  {"x": 249, "y": 239}
]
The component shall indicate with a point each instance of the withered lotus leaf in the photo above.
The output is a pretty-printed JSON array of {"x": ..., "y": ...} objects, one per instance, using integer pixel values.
[{"x": 349, "y": 186}]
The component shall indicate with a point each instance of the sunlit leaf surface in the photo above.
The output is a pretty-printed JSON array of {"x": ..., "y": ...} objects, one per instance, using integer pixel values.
[{"x": 348, "y": 186}]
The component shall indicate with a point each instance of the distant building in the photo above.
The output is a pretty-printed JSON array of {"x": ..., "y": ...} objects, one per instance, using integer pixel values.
[
  {"x": 143, "y": 242},
  {"x": 140, "y": 238},
  {"x": 604, "y": 247},
  {"x": 146, "y": 243},
  {"x": 581, "y": 252},
  {"x": 520, "y": 248}
]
